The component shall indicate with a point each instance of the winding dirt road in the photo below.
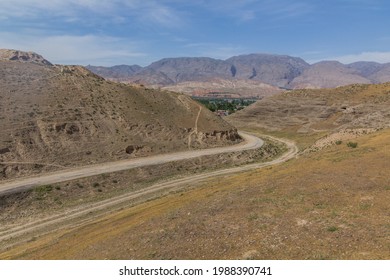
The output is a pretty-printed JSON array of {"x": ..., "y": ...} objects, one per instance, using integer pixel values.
[
  {"x": 87, "y": 213},
  {"x": 250, "y": 142}
]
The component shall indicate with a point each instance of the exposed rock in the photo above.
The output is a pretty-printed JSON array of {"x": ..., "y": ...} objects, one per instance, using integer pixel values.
[
  {"x": 14, "y": 55},
  {"x": 4, "y": 150}
]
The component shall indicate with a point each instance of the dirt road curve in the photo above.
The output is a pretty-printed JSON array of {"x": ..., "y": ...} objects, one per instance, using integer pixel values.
[
  {"x": 251, "y": 142},
  {"x": 87, "y": 213}
]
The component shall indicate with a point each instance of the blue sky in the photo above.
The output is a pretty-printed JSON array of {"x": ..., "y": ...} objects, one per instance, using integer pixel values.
[{"x": 101, "y": 32}]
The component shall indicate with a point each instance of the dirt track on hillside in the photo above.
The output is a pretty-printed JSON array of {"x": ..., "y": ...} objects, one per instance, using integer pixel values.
[
  {"x": 86, "y": 213},
  {"x": 251, "y": 142}
]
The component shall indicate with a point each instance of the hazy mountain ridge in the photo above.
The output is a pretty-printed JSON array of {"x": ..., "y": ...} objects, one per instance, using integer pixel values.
[
  {"x": 277, "y": 70},
  {"x": 328, "y": 74}
]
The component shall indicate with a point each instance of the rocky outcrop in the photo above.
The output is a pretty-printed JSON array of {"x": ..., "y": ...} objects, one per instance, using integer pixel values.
[{"x": 14, "y": 55}]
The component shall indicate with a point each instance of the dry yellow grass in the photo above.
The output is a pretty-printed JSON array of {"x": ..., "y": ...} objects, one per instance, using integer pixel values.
[{"x": 331, "y": 204}]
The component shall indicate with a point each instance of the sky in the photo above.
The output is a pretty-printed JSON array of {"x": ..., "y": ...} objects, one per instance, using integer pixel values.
[{"x": 113, "y": 32}]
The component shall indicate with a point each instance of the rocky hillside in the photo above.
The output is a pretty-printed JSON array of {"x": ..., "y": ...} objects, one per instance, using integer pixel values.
[
  {"x": 53, "y": 116},
  {"x": 14, "y": 55},
  {"x": 276, "y": 70},
  {"x": 319, "y": 110}
]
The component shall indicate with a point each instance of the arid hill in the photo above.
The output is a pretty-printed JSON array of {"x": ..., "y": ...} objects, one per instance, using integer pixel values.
[
  {"x": 306, "y": 111},
  {"x": 52, "y": 116},
  {"x": 220, "y": 88}
]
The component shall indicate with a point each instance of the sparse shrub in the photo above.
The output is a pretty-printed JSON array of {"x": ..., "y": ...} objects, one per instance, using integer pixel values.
[
  {"x": 41, "y": 191},
  {"x": 352, "y": 144},
  {"x": 80, "y": 185},
  {"x": 95, "y": 185},
  {"x": 253, "y": 217},
  {"x": 115, "y": 181},
  {"x": 338, "y": 142},
  {"x": 44, "y": 189},
  {"x": 58, "y": 188},
  {"x": 332, "y": 228}
]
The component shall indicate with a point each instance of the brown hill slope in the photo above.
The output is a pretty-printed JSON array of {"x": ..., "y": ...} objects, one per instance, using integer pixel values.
[
  {"x": 67, "y": 116},
  {"x": 304, "y": 111},
  {"x": 225, "y": 88}
]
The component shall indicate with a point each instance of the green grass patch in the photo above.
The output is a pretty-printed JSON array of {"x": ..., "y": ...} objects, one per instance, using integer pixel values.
[{"x": 332, "y": 229}]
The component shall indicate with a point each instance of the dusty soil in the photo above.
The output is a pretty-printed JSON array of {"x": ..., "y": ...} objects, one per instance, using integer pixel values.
[{"x": 326, "y": 110}]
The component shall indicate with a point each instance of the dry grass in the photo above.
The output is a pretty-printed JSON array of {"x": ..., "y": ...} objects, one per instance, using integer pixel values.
[
  {"x": 326, "y": 204},
  {"x": 332, "y": 204}
]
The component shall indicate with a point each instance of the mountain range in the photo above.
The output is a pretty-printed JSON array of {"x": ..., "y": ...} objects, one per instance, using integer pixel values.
[{"x": 280, "y": 71}]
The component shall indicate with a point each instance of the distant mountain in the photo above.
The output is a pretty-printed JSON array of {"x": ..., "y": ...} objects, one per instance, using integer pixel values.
[
  {"x": 118, "y": 72},
  {"x": 382, "y": 75},
  {"x": 328, "y": 74},
  {"x": 170, "y": 71},
  {"x": 277, "y": 70},
  {"x": 365, "y": 68}
]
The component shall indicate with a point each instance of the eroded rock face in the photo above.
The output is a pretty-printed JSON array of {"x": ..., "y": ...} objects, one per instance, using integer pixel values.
[
  {"x": 214, "y": 138},
  {"x": 14, "y": 55},
  {"x": 230, "y": 135}
]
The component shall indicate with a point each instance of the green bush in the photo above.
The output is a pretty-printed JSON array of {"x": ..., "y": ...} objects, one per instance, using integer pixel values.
[
  {"x": 332, "y": 229},
  {"x": 352, "y": 144}
]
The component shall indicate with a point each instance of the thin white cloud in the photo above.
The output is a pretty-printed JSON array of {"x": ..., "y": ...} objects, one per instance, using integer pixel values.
[
  {"x": 246, "y": 10},
  {"x": 381, "y": 57},
  {"x": 83, "y": 50},
  {"x": 151, "y": 11},
  {"x": 214, "y": 50}
]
